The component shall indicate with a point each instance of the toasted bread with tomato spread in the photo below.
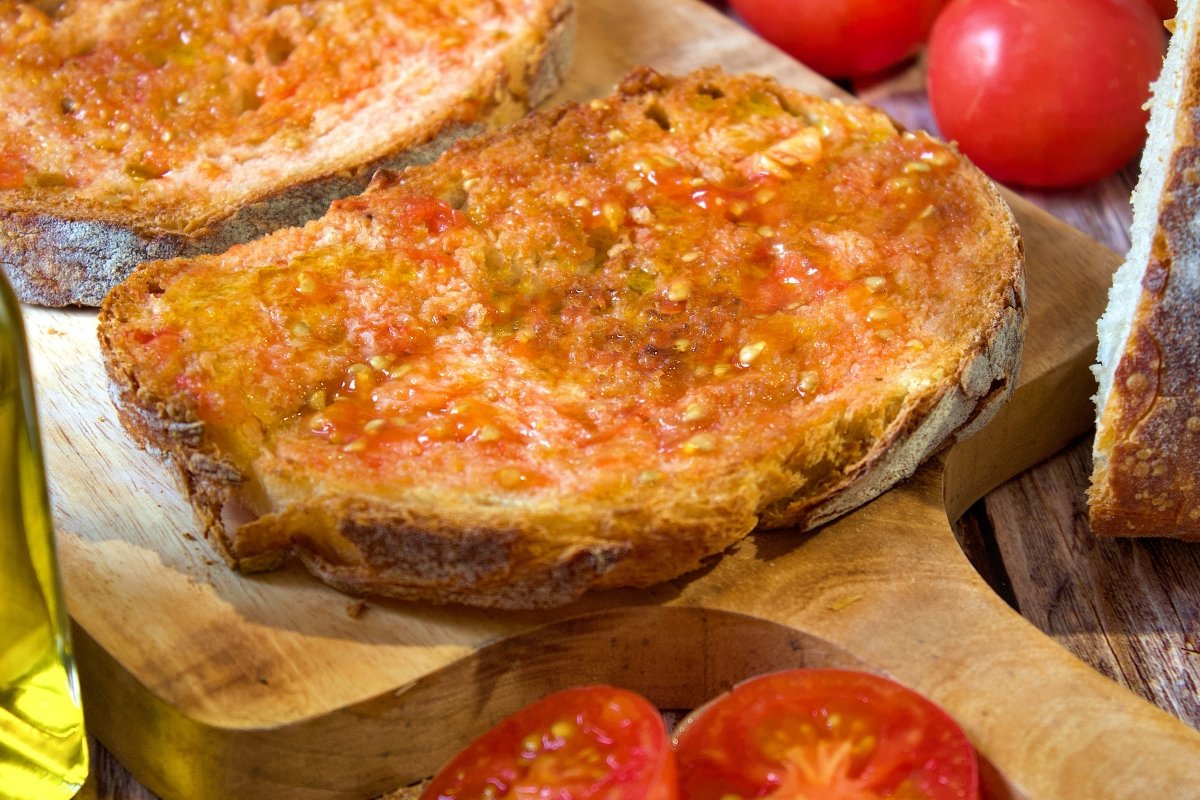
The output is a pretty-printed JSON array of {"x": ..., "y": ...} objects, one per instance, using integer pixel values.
[
  {"x": 587, "y": 351},
  {"x": 146, "y": 129},
  {"x": 1146, "y": 454}
]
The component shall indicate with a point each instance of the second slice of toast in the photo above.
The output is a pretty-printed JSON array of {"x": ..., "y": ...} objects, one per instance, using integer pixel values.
[
  {"x": 587, "y": 351},
  {"x": 145, "y": 129}
]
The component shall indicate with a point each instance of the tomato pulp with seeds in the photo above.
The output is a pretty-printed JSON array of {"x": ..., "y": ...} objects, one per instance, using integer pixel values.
[
  {"x": 588, "y": 742},
  {"x": 110, "y": 107},
  {"x": 824, "y": 734},
  {"x": 626, "y": 295},
  {"x": 688, "y": 328}
]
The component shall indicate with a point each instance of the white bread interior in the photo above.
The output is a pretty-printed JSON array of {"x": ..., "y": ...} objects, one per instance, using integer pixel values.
[{"x": 1146, "y": 453}]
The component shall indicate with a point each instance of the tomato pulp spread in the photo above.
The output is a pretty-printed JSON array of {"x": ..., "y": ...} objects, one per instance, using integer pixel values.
[
  {"x": 114, "y": 99},
  {"x": 608, "y": 295}
]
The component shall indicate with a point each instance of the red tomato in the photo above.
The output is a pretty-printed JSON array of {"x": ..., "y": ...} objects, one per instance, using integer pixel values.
[
  {"x": 593, "y": 741},
  {"x": 842, "y": 38},
  {"x": 824, "y": 734},
  {"x": 1165, "y": 9},
  {"x": 1046, "y": 93}
]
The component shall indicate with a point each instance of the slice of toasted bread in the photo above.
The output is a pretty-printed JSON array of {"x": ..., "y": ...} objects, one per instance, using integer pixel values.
[
  {"x": 1146, "y": 454},
  {"x": 143, "y": 129},
  {"x": 587, "y": 351}
]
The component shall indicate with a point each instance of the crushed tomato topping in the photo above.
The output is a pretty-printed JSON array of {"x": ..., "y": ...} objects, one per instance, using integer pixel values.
[
  {"x": 110, "y": 99},
  {"x": 648, "y": 284}
]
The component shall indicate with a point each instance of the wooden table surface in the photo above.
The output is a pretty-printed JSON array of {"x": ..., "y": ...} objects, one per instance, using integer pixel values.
[{"x": 1130, "y": 608}]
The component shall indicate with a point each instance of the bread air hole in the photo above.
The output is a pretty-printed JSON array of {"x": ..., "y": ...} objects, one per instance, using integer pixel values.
[
  {"x": 456, "y": 197},
  {"x": 658, "y": 115},
  {"x": 248, "y": 99},
  {"x": 601, "y": 241},
  {"x": 787, "y": 105},
  {"x": 51, "y": 8},
  {"x": 277, "y": 48}
]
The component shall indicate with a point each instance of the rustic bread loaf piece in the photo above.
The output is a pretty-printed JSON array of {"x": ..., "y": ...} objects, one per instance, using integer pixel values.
[
  {"x": 587, "y": 351},
  {"x": 146, "y": 129},
  {"x": 1146, "y": 456}
]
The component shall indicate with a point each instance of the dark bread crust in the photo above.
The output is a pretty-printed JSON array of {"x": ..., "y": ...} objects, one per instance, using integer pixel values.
[
  {"x": 72, "y": 253},
  {"x": 1150, "y": 483},
  {"x": 1146, "y": 480},
  {"x": 447, "y": 547}
]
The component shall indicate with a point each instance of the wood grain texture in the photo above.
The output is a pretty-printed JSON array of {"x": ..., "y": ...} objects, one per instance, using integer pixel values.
[
  {"x": 211, "y": 685},
  {"x": 1129, "y": 608}
]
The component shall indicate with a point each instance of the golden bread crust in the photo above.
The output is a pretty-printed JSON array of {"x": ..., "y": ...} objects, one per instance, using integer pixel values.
[
  {"x": 329, "y": 94},
  {"x": 588, "y": 351},
  {"x": 1146, "y": 456}
]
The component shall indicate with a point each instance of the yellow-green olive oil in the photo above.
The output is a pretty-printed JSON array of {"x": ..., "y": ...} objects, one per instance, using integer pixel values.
[{"x": 43, "y": 750}]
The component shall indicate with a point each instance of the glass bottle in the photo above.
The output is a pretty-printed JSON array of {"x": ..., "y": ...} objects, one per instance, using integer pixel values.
[{"x": 43, "y": 749}]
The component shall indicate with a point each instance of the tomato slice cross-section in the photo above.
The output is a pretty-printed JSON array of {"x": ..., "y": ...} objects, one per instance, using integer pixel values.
[
  {"x": 587, "y": 742},
  {"x": 824, "y": 734}
]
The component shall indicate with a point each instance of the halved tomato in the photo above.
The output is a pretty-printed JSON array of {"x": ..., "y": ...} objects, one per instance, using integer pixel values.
[
  {"x": 824, "y": 734},
  {"x": 588, "y": 742}
]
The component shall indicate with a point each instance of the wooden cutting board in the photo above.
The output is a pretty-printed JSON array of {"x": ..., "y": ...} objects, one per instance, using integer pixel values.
[{"x": 207, "y": 684}]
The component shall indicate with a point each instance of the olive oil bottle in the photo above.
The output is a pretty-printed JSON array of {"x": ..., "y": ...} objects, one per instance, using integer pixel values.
[{"x": 43, "y": 750}]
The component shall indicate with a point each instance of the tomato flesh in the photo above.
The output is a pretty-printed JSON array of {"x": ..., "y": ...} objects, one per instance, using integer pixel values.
[
  {"x": 1047, "y": 93},
  {"x": 842, "y": 38},
  {"x": 824, "y": 735},
  {"x": 587, "y": 742}
]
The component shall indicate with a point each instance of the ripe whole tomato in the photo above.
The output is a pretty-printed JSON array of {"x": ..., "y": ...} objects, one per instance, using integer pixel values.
[
  {"x": 1165, "y": 9},
  {"x": 842, "y": 38},
  {"x": 1047, "y": 93}
]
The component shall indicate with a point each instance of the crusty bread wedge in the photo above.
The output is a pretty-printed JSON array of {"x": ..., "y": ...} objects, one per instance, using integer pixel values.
[
  {"x": 142, "y": 129},
  {"x": 587, "y": 351},
  {"x": 1146, "y": 454}
]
